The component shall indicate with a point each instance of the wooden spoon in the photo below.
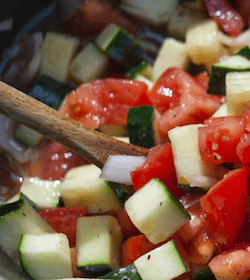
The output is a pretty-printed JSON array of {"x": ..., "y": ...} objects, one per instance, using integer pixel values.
[{"x": 94, "y": 146}]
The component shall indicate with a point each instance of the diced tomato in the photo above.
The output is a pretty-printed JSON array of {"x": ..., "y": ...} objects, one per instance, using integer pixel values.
[
  {"x": 159, "y": 164},
  {"x": 228, "y": 19},
  {"x": 64, "y": 220},
  {"x": 92, "y": 16},
  {"x": 243, "y": 7},
  {"x": 104, "y": 101},
  {"x": 202, "y": 248},
  {"x": 134, "y": 247},
  {"x": 197, "y": 222},
  {"x": 219, "y": 138},
  {"x": 128, "y": 228},
  {"x": 203, "y": 78},
  {"x": 54, "y": 162},
  {"x": 243, "y": 151},
  {"x": 226, "y": 205},
  {"x": 181, "y": 100},
  {"x": 231, "y": 265}
]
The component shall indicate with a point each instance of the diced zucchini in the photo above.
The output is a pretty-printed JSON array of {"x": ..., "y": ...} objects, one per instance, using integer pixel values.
[
  {"x": 89, "y": 64},
  {"x": 114, "y": 130},
  {"x": 237, "y": 92},
  {"x": 162, "y": 263},
  {"x": 221, "y": 112},
  {"x": 27, "y": 136},
  {"x": 19, "y": 218},
  {"x": 98, "y": 244},
  {"x": 141, "y": 123},
  {"x": 58, "y": 52},
  {"x": 203, "y": 44},
  {"x": 187, "y": 158},
  {"x": 154, "y": 12},
  {"x": 144, "y": 68},
  {"x": 129, "y": 273},
  {"x": 45, "y": 193},
  {"x": 156, "y": 212},
  {"x": 45, "y": 256},
  {"x": 172, "y": 53},
  {"x": 239, "y": 62},
  {"x": 120, "y": 46},
  {"x": 82, "y": 187},
  {"x": 182, "y": 18}
]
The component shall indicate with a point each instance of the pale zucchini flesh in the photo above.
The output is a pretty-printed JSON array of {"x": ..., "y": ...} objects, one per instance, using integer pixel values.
[{"x": 156, "y": 212}]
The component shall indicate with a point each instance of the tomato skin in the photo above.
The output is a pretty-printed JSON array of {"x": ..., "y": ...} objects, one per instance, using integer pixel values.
[
  {"x": 63, "y": 220},
  {"x": 54, "y": 162},
  {"x": 181, "y": 100},
  {"x": 229, "y": 20},
  {"x": 231, "y": 265},
  {"x": 197, "y": 222},
  {"x": 105, "y": 101},
  {"x": 226, "y": 205},
  {"x": 128, "y": 228},
  {"x": 159, "y": 164},
  {"x": 134, "y": 247},
  {"x": 219, "y": 138}
]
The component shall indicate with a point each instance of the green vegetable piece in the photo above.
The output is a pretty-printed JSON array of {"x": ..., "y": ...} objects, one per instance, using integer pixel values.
[{"x": 129, "y": 273}]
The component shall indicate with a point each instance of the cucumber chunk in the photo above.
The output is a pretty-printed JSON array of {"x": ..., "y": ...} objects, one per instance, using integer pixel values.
[
  {"x": 89, "y": 64},
  {"x": 98, "y": 244},
  {"x": 141, "y": 123},
  {"x": 19, "y": 218},
  {"x": 45, "y": 193},
  {"x": 162, "y": 263},
  {"x": 45, "y": 256},
  {"x": 120, "y": 46},
  {"x": 156, "y": 212},
  {"x": 129, "y": 273},
  {"x": 82, "y": 187},
  {"x": 236, "y": 63}
]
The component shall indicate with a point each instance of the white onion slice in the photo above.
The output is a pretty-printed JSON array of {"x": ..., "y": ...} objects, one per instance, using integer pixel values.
[
  {"x": 205, "y": 182},
  {"x": 117, "y": 168},
  {"x": 239, "y": 41}
]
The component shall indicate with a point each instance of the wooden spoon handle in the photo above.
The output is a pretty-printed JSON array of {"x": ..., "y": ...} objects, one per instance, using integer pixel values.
[{"x": 90, "y": 144}]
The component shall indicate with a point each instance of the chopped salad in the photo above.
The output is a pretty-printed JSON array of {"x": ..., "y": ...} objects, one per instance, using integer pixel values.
[{"x": 173, "y": 78}]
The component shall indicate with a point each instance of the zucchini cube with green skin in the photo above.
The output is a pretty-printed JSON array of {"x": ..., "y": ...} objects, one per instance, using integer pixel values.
[
  {"x": 46, "y": 256},
  {"x": 129, "y": 272},
  {"x": 89, "y": 64},
  {"x": 18, "y": 218},
  {"x": 187, "y": 158},
  {"x": 141, "y": 123},
  {"x": 240, "y": 62},
  {"x": 45, "y": 193},
  {"x": 156, "y": 212},
  {"x": 98, "y": 244},
  {"x": 120, "y": 46},
  {"x": 82, "y": 187},
  {"x": 162, "y": 263},
  {"x": 237, "y": 92}
]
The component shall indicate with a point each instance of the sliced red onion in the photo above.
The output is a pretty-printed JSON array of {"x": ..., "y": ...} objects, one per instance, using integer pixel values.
[
  {"x": 239, "y": 41},
  {"x": 118, "y": 168},
  {"x": 205, "y": 182},
  {"x": 8, "y": 143}
]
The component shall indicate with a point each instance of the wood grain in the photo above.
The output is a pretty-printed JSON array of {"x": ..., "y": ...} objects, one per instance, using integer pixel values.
[{"x": 90, "y": 144}]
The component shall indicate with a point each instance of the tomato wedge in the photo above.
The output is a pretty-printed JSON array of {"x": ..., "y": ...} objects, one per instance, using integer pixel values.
[
  {"x": 159, "y": 164},
  {"x": 219, "y": 138},
  {"x": 63, "y": 220},
  {"x": 226, "y": 205},
  {"x": 104, "y": 101},
  {"x": 181, "y": 100},
  {"x": 229, "y": 20}
]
